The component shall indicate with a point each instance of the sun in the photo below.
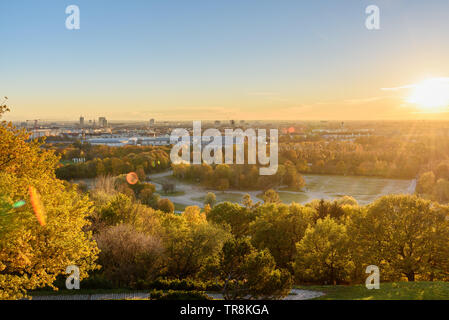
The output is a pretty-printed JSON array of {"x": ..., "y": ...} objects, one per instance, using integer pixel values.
[{"x": 431, "y": 95}]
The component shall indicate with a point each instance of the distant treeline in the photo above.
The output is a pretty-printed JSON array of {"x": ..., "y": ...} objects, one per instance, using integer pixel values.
[
  {"x": 104, "y": 160},
  {"x": 368, "y": 156},
  {"x": 244, "y": 177}
]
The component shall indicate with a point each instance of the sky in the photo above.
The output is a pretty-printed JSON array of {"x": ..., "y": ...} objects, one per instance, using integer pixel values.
[{"x": 221, "y": 59}]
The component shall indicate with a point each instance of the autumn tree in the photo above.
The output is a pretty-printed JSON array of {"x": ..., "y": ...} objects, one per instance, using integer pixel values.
[
  {"x": 210, "y": 199},
  {"x": 404, "y": 236},
  {"x": 166, "y": 205},
  {"x": 278, "y": 228},
  {"x": 323, "y": 254},
  {"x": 34, "y": 255},
  {"x": 271, "y": 196},
  {"x": 235, "y": 216},
  {"x": 189, "y": 242}
]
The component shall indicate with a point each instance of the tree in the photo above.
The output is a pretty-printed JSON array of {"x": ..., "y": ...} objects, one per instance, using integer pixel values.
[
  {"x": 247, "y": 201},
  {"x": 426, "y": 183},
  {"x": 323, "y": 255},
  {"x": 223, "y": 184},
  {"x": 210, "y": 199},
  {"x": 146, "y": 196},
  {"x": 189, "y": 243},
  {"x": 347, "y": 200},
  {"x": 248, "y": 273},
  {"x": 278, "y": 228},
  {"x": 129, "y": 256},
  {"x": 442, "y": 171},
  {"x": 271, "y": 196},
  {"x": 404, "y": 236},
  {"x": 238, "y": 218},
  {"x": 141, "y": 173},
  {"x": 31, "y": 255},
  {"x": 166, "y": 205},
  {"x": 442, "y": 190},
  {"x": 168, "y": 187}
]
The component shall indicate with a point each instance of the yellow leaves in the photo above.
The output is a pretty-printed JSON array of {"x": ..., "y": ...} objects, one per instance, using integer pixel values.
[
  {"x": 194, "y": 215},
  {"x": 32, "y": 256}
]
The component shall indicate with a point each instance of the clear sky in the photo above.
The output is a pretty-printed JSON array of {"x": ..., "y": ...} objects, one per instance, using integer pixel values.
[{"x": 220, "y": 59}]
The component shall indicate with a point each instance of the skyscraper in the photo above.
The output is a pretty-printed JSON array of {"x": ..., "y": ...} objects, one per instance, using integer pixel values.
[
  {"x": 81, "y": 121},
  {"x": 102, "y": 122}
]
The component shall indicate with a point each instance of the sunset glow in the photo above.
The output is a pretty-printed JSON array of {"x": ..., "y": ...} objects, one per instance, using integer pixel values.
[{"x": 431, "y": 95}]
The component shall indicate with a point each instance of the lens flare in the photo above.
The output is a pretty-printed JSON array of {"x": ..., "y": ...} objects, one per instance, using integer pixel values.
[
  {"x": 37, "y": 205},
  {"x": 132, "y": 178},
  {"x": 18, "y": 204}
]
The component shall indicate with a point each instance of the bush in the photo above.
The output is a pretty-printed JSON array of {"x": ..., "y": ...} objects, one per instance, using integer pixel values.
[
  {"x": 166, "y": 205},
  {"x": 128, "y": 256}
]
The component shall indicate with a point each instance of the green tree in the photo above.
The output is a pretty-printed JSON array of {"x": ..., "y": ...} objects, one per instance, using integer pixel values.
[
  {"x": 189, "y": 244},
  {"x": 278, "y": 228},
  {"x": 247, "y": 272},
  {"x": 238, "y": 218},
  {"x": 323, "y": 255},
  {"x": 404, "y": 236}
]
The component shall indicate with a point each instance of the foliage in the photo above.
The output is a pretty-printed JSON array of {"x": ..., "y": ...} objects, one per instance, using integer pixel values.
[
  {"x": 210, "y": 199},
  {"x": 278, "y": 228},
  {"x": 404, "y": 236},
  {"x": 238, "y": 218},
  {"x": 128, "y": 256},
  {"x": 248, "y": 273},
  {"x": 166, "y": 205},
  {"x": 33, "y": 256},
  {"x": 323, "y": 254}
]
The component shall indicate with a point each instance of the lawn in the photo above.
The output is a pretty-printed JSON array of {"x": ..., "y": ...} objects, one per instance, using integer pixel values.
[
  {"x": 387, "y": 291},
  {"x": 222, "y": 197}
]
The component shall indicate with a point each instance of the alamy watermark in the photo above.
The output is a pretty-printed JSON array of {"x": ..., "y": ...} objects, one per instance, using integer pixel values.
[
  {"x": 73, "y": 280},
  {"x": 72, "y": 22},
  {"x": 207, "y": 147},
  {"x": 373, "y": 280}
]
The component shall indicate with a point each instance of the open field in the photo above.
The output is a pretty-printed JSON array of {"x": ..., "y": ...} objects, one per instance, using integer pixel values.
[
  {"x": 387, "y": 291},
  {"x": 363, "y": 189}
]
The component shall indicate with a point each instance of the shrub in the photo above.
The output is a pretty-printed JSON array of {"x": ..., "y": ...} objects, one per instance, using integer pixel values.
[
  {"x": 166, "y": 205},
  {"x": 128, "y": 256}
]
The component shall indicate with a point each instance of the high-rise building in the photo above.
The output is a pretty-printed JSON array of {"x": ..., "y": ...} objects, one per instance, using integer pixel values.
[
  {"x": 81, "y": 122},
  {"x": 152, "y": 121},
  {"x": 102, "y": 122}
]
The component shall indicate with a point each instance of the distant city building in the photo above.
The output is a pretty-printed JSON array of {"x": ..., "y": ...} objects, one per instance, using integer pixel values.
[
  {"x": 152, "y": 121},
  {"x": 81, "y": 121},
  {"x": 102, "y": 122}
]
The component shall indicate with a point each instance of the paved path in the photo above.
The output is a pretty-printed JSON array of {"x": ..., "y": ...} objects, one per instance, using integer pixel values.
[{"x": 295, "y": 294}]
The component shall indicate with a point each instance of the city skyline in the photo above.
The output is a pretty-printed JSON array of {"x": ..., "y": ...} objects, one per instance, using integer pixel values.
[{"x": 245, "y": 60}]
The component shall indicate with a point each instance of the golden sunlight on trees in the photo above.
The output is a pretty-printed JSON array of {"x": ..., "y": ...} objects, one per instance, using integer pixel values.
[
  {"x": 405, "y": 236},
  {"x": 31, "y": 255}
]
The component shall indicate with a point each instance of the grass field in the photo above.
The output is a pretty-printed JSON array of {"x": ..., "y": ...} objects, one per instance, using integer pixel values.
[
  {"x": 221, "y": 197},
  {"x": 387, "y": 291},
  {"x": 363, "y": 189}
]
